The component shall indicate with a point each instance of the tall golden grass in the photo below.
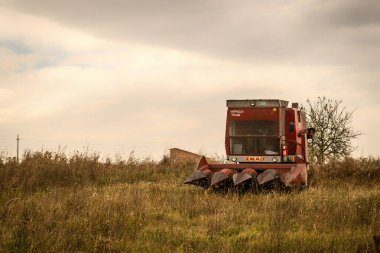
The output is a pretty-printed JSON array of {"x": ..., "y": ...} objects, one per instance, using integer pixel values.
[{"x": 52, "y": 202}]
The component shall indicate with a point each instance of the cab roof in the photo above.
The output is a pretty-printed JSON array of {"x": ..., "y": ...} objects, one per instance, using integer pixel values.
[{"x": 249, "y": 103}]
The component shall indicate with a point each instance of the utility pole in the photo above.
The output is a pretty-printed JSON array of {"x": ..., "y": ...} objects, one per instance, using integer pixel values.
[{"x": 18, "y": 142}]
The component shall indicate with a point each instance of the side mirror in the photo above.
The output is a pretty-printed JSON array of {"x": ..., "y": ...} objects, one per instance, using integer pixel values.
[
  {"x": 310, "y": 133},
  {"x": 291, "y": 127}
]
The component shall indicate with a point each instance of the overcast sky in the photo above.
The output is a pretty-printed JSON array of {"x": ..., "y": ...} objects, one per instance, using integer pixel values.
[{"x": 148, "y": 75}]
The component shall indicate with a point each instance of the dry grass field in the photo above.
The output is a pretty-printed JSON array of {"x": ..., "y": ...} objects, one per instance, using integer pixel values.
[{"x": 51, "y": 202}]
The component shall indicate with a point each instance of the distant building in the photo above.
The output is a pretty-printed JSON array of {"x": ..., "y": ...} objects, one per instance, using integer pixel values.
[{"x": 181, "y": 156}]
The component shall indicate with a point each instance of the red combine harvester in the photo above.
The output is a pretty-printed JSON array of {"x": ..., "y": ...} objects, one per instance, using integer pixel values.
[{"x": 266, "y": 146}]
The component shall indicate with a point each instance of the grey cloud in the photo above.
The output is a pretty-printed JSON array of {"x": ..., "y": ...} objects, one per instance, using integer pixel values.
[
  {"x": 17, "y": 47},
  {"x": 245, "y": 30},
  {"x": 347, "y": 13}
]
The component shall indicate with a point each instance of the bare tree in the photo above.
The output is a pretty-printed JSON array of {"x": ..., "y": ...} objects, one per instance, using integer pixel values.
[{"x": 334, "y": 133}]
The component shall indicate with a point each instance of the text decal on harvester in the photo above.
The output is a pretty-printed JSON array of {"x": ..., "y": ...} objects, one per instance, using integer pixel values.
[
  {"x": 254, "y": 158},
  {"x": 236, "y": 113}
]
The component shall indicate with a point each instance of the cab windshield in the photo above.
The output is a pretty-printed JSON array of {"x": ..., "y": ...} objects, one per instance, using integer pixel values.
[{"x": 254, "y": 135}]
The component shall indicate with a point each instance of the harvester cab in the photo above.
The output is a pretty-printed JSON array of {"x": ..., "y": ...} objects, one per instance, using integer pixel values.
[{"x": 266, "y": 146}]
